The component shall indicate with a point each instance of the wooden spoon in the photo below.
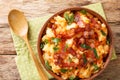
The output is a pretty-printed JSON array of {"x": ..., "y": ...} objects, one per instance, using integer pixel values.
[{"x": 19, "y": 25}]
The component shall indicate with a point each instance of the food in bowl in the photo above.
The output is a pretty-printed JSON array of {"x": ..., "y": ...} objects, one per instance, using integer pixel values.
[{"x": 75, "y": 44}]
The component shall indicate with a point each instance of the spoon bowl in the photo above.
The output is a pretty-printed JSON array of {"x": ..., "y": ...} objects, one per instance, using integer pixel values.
[{"x": 18, "y": 22}]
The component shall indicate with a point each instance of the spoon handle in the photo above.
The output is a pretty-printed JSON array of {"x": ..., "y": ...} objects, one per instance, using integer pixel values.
[{"x": 37, "y": 64}]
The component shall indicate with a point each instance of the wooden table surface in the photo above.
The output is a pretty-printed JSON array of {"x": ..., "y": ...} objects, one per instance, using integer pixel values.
[{"x": 36, "y": 8}]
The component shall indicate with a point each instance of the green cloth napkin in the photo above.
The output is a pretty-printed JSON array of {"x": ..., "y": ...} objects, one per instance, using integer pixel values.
[{"x": 24, "y": 61}]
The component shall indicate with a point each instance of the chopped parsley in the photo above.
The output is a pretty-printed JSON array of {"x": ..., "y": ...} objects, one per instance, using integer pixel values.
[
  {"x": 84, "y": 59},
  {"x": 56, "y": 40},
  {"x": 95, "y": 67},
  {"x": 77, "y": 78},
  {"x": 95, "y": 53},
  {"x": 85, "y": 46},
  {"x": 71, "y": 78},
  {"x": 46, "y": 41},
  {"x": 55, "y": 48},
  {"x": 108, "y": 41},
  {"x": 65, "y": 48},
  {"x": 42, "y": 45},
  {"x": 69, "y": 17},
  {"x": 69, "y": 59},
  {"x": 103, "y": 33},
  {"x": 63, "y": 70},
  {"x": 88, "y": 47},
  {"x": 83, "y": 11},
  {"x": 47, "y": 65}
]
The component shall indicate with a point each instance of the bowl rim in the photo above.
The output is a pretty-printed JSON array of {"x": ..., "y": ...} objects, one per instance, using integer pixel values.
[{"x": 110, "y": 35}]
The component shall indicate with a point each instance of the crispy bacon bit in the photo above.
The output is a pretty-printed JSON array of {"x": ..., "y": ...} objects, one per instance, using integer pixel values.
[
  {"x": 72, "y": 64},
  {"x": 86, "y": 34},
  {"x": 71, "y": 32},
  {"x": 89, "y": 15},
  {"x": 90, "y": 54},
  {"x": 93, "y": 21},
  {"x": 97, "y": 43},
  {"x": 49, "y": 25},
  {"x": 81, "y": 24},
  {"x": 91, "y": 32},
  {"x": 52, "y": 21},
  {"x": 77, "y": 16},
  {"x": 92, "y": 45},
  {"x": 54, "y": 26},
  {"x": 97, "y": 26},
  {"x": 81, "y": 40},
  {"x": 72, "y": 51},
  {"x": 78, "y": 30}
]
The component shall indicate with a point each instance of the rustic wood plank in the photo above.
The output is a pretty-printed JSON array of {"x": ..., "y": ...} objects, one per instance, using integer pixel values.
[
  {"x": 115, "y": 27},
  {"x": 112, "y": 71},
  {"x": 36, "y": 8},
  {"x": 6, "y": 42},
  {"x": 8, "y": 70}
]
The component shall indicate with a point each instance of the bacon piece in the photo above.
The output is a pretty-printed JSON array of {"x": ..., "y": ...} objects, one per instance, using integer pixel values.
[
  {"x": 92, "y": 45},
  {"x": 78, "y": 30},
  {"x": 72, "y": 51},
  {"x": 77, "y": 16},
  {"x": 70, "y": 32},
  {"x": 86, "y": 34},
  {"x": 90, "y": 54},
  {"x": 81, "y": 40},
  {"x": 81, "y": 24},
  {"x": 58, "y": 59},
  {"x": 97, "y": 26},
  {"x": 54, "y": 26},
  {"x": 72, "y": 64}
]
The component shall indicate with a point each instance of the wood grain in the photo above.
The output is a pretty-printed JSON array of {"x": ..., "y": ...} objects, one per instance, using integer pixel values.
[
  {"x": 8, "y": 69},
  {"x": 37, "y": 8},
  {"x": 112, "y": 71}
]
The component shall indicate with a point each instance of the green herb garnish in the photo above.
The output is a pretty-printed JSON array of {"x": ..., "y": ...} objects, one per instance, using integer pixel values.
[
  {"x": 70, "y": 60},
  {"x": 108, "y": 41},
  {"x": 56, "y": 40},
  {"x": 63, "y": 70},
  {"x": 42, "y": 45},
  {"x": 65, "y": 48},
  {"x": 103, "y": 33},
  {"x": 83, "y": 11},
  {"x": 95, "y": 67},
  {"x": 84, "y": 59},
  {"x": 46, "y": 41},
  {"x": 95, "y": 53},
  {"x": 77, "y": 78},
  {"x": 69, "y": 17},
  {"x": 47, "y": 65},
  {"x": 66, "y": 16},
  {"x": 55, "y": 48},
  {"x": 71, "y": 78},
  {"x": 85, "y": 46},
  {"x": 88, "y": 47}
]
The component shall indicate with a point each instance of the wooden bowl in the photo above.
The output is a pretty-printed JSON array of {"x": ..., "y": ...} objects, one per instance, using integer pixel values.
[{"x": 74, "y": 9}]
